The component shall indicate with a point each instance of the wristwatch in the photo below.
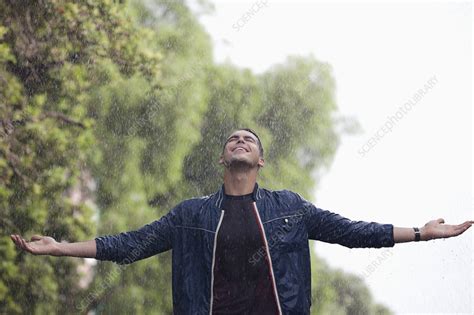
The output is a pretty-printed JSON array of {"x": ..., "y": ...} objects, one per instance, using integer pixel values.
[{"x": 417, "y": 234}]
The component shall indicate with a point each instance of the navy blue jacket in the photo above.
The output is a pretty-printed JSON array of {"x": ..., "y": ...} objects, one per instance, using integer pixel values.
[{"x": 287, "y": 222}]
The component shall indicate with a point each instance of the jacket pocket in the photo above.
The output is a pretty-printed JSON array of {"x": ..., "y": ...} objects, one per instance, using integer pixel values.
[{"x": 286, "y": 233}]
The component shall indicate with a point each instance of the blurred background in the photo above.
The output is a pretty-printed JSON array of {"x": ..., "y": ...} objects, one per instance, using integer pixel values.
[{"x": 113, "y": 112}]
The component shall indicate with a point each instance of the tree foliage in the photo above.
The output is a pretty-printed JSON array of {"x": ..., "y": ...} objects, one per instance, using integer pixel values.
[
  {"x": 51, "y": 52},
  {"x": 336, "y": 292},
  {"x": 112, "y": 113}
]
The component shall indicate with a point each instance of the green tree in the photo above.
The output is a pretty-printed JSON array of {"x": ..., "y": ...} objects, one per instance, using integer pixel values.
[
  {"x": 335, "y": 292},
  {"x": 144, "y": 132},
  {"x": 50, "y": 52}
]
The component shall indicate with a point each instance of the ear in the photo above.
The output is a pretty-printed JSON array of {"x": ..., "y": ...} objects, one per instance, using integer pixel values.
[
  {"x": 221, "y": 159},
  {"x": 261, "y": 162}
]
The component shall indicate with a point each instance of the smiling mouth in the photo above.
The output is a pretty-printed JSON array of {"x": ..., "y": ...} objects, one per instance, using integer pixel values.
[{"x": 236, "y": 149}]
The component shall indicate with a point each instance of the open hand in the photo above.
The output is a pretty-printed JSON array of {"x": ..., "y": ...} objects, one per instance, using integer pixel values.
[
  {"x": 437, "y": 229},
  {"x": 39, "y": 245}
]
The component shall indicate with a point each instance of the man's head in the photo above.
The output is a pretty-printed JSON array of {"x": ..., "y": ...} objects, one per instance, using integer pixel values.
[{"x": 242, "y": 147}]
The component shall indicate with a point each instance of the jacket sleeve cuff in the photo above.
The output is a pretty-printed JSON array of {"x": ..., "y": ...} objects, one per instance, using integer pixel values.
[
  {"x": 100, "y": 248},
  {"x": 387, "y": 239}
]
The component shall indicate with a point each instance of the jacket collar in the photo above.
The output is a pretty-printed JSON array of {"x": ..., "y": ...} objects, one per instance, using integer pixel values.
[{"x": 257, "y": 194}]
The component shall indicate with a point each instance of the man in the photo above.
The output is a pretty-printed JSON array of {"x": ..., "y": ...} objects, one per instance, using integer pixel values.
[{"x": 244, "y": 249}]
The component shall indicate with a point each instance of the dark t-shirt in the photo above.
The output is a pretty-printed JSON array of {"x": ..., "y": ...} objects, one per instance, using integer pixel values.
[{"x": 241, "y": 285}]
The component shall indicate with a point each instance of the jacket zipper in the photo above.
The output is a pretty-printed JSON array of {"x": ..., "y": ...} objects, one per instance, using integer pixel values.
[
  {"x": 269, "y": 259},
  {"x": 214, "y": 261}
]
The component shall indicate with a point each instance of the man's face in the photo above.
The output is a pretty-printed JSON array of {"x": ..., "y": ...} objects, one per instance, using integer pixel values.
[{"x": 241, "y": 149}]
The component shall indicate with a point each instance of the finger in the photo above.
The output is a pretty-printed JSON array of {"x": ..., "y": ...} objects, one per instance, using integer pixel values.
[
  {"x": 18, "y": 242},
  {"x": 15, "y": 240},
  {"x": 440, "y": 220},
  {"x": 462, "y": 229},
  {"x": 13, "y": 237},
  {"x": 26, "y": 247},
  {"x": 36, "y": 238},
  {"x": 468, "y": 223},
  {"x": 23, "y": 243},
  {"x": 460, "y": 226},
  {"x": 464, "y": 225}
]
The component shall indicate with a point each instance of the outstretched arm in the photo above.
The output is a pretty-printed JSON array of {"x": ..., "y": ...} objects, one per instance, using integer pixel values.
[
  {"x": 45, "y": 245},
  {"x": 123, "y": 248},
  {"x": 330, "y": 227},
  {"x": 432, "y": 230}
]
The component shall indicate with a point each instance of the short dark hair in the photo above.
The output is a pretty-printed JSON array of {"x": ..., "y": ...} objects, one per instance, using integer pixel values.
[{"x": 260, "y": 146}]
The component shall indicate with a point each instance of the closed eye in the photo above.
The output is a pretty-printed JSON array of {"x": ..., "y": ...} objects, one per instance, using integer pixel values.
[
  {"x": 246, "y": 138},
  {"x": 231, "y": 138}
]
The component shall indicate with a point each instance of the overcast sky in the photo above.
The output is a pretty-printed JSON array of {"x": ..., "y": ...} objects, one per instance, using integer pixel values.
[{"x": 420, "y": 166}]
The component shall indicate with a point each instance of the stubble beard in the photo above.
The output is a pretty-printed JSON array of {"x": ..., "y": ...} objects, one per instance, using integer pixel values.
[{"x": 236, "y": 164}]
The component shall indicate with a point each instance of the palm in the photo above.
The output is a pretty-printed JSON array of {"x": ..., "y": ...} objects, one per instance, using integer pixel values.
[
  {"x": 39, "y": 245},
  {"x": 437, "y": 229},
  {"x": 43, "y": 246}
]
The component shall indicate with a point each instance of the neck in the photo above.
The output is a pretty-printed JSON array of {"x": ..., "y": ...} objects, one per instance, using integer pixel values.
[{"x": 238, "y": 183}]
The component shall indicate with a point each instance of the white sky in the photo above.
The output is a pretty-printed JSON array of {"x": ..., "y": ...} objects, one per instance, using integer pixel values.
[{"x": 381, "y": 55}]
